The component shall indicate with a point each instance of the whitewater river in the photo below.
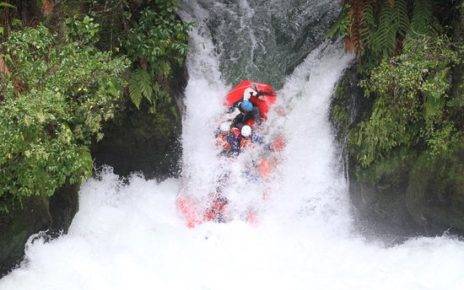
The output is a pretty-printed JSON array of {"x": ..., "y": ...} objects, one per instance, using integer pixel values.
[{"x": 130, "y": 236}]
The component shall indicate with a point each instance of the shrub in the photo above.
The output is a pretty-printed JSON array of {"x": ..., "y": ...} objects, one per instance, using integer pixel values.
[
  {"x": 412, "y": 106},
  {"x": 157, "y": 43},
  {"x": 54, "y": 100}
]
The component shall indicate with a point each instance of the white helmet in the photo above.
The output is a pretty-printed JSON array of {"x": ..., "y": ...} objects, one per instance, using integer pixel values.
[
  {"x": 246, "y": 131},
  {"x": 248, "y": 93},
  {"x": 224, "y": 127}
]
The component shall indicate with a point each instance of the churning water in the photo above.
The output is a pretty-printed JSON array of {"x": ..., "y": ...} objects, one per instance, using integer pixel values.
[{"x": 130, "y": 236}]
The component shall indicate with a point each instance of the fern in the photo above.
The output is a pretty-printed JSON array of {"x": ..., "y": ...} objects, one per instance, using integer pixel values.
[
  {"x": 140, "y": 86},
  {"x": 384, "y": 39},
  {"x": 422, "y": 17},
  {"x": 379, "y": 27},
  {"x": 368, "y": 24},
  {"x": 340, "y": 27},
  {"x": 402, "y": 17}
]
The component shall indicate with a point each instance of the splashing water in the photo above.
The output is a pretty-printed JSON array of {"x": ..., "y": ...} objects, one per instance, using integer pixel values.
[{"x": 130, "y": 236}]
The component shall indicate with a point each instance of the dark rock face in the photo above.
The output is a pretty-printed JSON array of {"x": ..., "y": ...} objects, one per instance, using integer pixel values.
[
  {"x": 63, "y": 205},
  {"x": 138, "y": 140},
  {"x": 379, "y": 195},
  {"x": 435, "y": 194},
  {"x": 17, "y": 226},
  {"x": 36, "y": 214}
]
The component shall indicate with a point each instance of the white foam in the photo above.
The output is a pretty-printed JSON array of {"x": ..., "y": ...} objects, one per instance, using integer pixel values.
[{"x": 130, "y": 237}]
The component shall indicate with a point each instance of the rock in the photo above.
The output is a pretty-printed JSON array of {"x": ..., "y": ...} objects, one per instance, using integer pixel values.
[
  {"x": 17, "y": 226},
  {"x": 378, "y": 195},
  {"x": 33, "y": 215},
  {"x": 138, "y": 140},
  {"x": 435, "y": 194},
  {"x": 63, "y": 205}
]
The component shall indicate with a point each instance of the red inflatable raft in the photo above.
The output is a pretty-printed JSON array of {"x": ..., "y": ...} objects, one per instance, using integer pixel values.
[{"x": 266, "y": 95}]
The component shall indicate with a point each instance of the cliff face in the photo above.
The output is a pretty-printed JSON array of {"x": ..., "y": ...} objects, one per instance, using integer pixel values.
[
  {"x": 407, "y": 193},
  {"x": 138, "y": 140}
]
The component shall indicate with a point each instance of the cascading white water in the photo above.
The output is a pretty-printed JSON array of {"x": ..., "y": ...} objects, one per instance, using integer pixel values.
[{"x": 130, "y": 236}]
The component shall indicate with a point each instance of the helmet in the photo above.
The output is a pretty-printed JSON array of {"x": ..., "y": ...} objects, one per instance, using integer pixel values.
[
  {"x": 248, "y": 93},
  {"x": 246, "y": 131},
  {"x": 224, "y": 127},
  {"x": 247, "y": 106}
]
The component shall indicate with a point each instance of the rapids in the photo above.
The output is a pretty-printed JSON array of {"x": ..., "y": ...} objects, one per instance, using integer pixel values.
[{"x": 130, "y": 235}]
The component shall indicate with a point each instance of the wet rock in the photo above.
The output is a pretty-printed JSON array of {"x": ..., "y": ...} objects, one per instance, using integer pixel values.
[
  {"x": 271, "y": 37},
  {"x": 31, "y": 216},
  {"x": 435, "y": 194},
  {"x": 139, "y": 141},
  {"x": 17, "y": 226},
  {"x": 143, "y": 140},
  {"x": 63, "y": 205}
]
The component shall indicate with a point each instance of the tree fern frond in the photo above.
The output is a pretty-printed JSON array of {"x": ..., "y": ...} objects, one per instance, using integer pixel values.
[
  {"x": 422, "y": 17},
  {"x": 402, "y": 17},
  {"x": 384, "y": 38},
  {"x": 368, "y": 24},
  {"x": 140, "y": 86}
]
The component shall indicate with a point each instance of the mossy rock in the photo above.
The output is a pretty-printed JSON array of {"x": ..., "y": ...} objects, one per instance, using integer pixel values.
[
  {"x": 378, "y": 194},
  {"x": 32, "y": 215},
  {"x": 348, "y": 105},
  {"x": 146, "y": 140},
  {"x": 138, "y": 140},
  {"x": 435, "y": 193},
  {"x": 16, "y": 227}
]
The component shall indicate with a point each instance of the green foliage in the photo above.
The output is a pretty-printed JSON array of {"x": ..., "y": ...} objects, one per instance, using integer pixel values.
[
  {"x": 341, "y": 26},
  {"x": 412, "y": 108},
  {"x": 422, "y": 17},
  {"x": 140, "y": 86},
  {"x": 6, "y": 5},
  {"x": 393, "y": 22},
  {"x": 159, "y": 42},
  {"x": 376, "y": 28},
  {"x": 54, "y": 102},
  {"x": 85, "y": 31}
]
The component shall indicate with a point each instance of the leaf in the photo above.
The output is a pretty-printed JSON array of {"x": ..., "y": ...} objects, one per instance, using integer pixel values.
[
  {"x": 7, "y": 5},
  {"x": 422, "y": 17},
  {"x": 140, "y": 86}
]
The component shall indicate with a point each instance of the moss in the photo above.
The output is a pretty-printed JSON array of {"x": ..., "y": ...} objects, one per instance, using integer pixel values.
[
  {"x": 435, "y": 192},
  {"x": 343, "y": 102},
  {"x": 17, "y": 226}
]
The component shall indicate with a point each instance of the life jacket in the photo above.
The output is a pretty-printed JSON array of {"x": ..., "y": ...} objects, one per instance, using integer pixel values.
[
  {"x": 246, "y": 143},
  {"x": 187, "y": 206},
  {"x": 221, "y": 141},
  {"x": 233, "y": 139},
  {"x": 216, "y": 211},
  {"x": 278, "y": 144}
]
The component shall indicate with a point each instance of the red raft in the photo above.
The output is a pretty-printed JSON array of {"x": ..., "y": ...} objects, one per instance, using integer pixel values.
[{"x": 265, "y": 99}]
